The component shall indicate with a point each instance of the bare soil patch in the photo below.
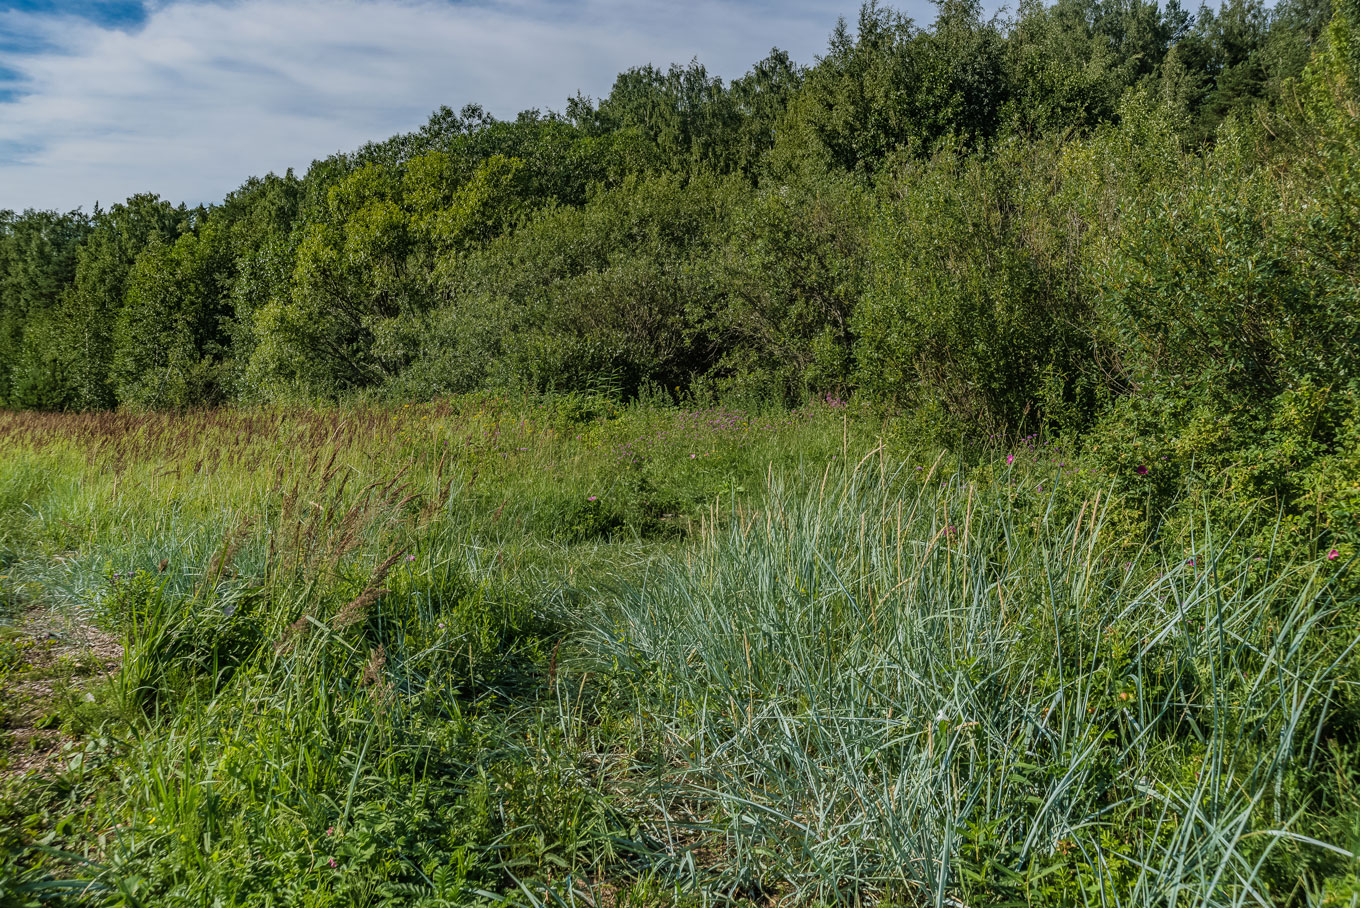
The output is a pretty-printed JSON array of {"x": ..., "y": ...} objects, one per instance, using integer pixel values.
[{"x": 48, "y": 663}]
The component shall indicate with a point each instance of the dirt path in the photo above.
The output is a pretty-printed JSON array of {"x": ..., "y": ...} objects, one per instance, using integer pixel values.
[{"x": 48, "y": 665}]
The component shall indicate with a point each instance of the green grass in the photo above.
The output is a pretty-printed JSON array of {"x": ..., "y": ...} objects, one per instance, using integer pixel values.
[{"x": 570, "y": 653}]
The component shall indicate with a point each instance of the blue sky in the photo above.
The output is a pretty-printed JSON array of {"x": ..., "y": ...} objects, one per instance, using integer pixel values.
[
  {"x": 123, "y": 14},
  {"x": 100, "y": 99}
]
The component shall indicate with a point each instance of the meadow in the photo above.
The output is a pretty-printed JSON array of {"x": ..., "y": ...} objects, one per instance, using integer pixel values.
[{"x": 565, "y": 651}]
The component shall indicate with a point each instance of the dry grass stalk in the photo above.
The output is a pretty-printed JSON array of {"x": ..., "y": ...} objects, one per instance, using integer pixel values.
[
  {"x": 222, "y": 561},
  {"x": 373, "y": 671},
  {"x": 356, "y": 609},
  {"x": 375, "y": 680},
  {"x": 291, "y": 634},
  {"x": 380, "y": 572}
]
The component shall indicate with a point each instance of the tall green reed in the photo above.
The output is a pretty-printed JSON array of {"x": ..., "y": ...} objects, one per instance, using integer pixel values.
[{"x": 894, "y": 684}]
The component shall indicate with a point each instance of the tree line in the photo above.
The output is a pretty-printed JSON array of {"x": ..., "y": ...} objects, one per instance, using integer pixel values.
[{"x": 1090, "y": 216}]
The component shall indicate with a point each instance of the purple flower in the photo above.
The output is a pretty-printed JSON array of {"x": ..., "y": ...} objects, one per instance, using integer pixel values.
[
  {"x": 1010, "y": 458},
  {"x": 1333, "y": 555},
  {"x": 593, "y": 498},
  {"x": 410, "y": 557},
  {"x": 1141, "y": 470}
]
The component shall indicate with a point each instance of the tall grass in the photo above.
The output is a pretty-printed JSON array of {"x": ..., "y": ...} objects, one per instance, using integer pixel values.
[
  {"x": 874, "y": 686},
  {"x": 462, "y": 653}
]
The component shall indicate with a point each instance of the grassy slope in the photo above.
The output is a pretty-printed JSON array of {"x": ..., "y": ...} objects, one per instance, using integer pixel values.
[{"x": 571, "y": 653}]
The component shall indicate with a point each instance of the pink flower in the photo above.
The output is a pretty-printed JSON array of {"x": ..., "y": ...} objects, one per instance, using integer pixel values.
[
  {"x": 1010, "y": 458},
  {"x": 692, "y": 456},
  {"x": 330, "y": 830},
  {"x": 593, "y": 498},
  {"x": 331, "y": 863},
  {"x": 1333, "y": 555}
]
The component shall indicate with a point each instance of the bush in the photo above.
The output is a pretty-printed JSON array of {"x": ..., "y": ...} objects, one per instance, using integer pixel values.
[{"x": 975, "y": 301}]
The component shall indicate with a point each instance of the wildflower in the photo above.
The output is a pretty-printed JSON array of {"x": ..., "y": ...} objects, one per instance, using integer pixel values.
[
  {"x": 692, "y": 456},
  {"x": 1333, "y": 555},
  {"x": 331, "y": 863},
  {"x": 593, "y": 498},
  {"x": 330, "y": 830},
  {"x": 410, "y": 558},
  {"x": 1141, "y": 470},
  {"x": 1010, "y": 458}
]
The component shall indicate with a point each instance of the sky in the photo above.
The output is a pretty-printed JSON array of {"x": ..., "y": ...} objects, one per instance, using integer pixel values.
[{"x": 101, "y": 99}]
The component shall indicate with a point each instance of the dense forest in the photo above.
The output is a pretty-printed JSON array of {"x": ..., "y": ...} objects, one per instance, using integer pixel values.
[{"x": 1097, "y": 217}]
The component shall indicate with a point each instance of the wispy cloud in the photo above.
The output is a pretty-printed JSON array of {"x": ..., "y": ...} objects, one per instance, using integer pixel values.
[{"x": 198, "y": 95}]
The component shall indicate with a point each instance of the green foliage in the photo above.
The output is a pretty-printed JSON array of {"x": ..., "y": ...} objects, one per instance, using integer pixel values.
[
  {"x": 387, "y": 234},
  {"x": 853, "y": 111},
  {"x": 37, "y": 262},
  {"x": 976, "y": 303},
  {"x": 613, "y": 294},
  {"x": 95, "y": 299},
  {"x": 688, "y": 115},
  {"x": 170, "y": 338},
  {"x": 762, "y": 237},
  {"x": 793, "y": 272},
  {"x": 1232, "y": 301}
]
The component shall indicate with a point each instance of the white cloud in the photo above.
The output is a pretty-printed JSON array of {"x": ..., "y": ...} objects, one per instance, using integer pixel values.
[{"x": 205, "y": 94}]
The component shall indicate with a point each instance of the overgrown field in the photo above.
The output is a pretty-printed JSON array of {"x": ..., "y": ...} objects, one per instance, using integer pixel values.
[{"x": 576, "y": 653}]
